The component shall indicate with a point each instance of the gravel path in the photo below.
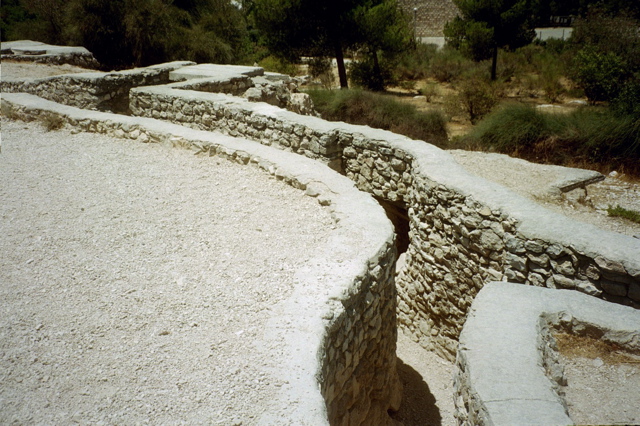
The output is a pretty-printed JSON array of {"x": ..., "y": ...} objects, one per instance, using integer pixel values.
[{"x": 136, "y": 280}]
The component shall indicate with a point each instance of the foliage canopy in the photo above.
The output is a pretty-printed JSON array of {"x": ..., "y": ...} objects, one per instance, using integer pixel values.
[
  {"x": 487, "y": 25},
  {"x": 295, "y": 28},
  {"x": 124, "y": 33}
]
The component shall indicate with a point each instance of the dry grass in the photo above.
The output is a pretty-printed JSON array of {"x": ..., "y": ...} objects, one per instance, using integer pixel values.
[{"x": 572, "y": 346}]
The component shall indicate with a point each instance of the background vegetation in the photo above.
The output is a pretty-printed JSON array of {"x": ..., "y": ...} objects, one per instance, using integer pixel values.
[
  {"x": 382, "y": 112},
  {"x": 483, "y": 87}
]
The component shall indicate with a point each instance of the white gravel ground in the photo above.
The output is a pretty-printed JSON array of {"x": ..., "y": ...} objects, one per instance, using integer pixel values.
[{"x": 136, "y": 280}]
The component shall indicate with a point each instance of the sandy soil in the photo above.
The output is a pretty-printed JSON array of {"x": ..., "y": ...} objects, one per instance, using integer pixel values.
[
  {"x": 105, "y": 248},
  {"x": 603, "y": 376},
  {"x": 428, "y": 386}
]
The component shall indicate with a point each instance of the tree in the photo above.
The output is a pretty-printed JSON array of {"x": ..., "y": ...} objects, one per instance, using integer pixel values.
[
  {"x": 608, "y": 55},
  {"x": 294, "y": 28},
  {"x": 487, "y": 25},
  {"x": 383, "y": 30},
  {"x": 122, "y": 33}
]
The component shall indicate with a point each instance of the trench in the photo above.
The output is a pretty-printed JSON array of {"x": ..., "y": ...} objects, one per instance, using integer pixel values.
[{"x": 399, "y": 217}]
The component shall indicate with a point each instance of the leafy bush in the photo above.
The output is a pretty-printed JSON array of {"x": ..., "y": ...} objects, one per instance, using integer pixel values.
[
  {"x": 448, "y": 64},
  {"x": 588, "y": 135},
  {"x": 363, "y": 74},
  {"x": 274, "y": 64},
  {"x": 320, "y": 68},
  {"x": 628, "y": 100},
  {"x": 380, "y": 111},
  {"x": 608, "y": 53},
  {"x": 429, "y": 91},
  {"x": 550, "y": 77},
  {"x": 414, "y": 64},
  {"x": 474, "y": 39},
  {"x": 476, "y": 95},
  {"x": 599, "y": 74}
]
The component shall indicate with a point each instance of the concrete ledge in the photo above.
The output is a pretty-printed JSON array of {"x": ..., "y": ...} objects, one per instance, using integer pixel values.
[
  {"x": 347, "y": 293},
  {"x": 35, "y": 51},
  {"x": 506, "y": 371}
]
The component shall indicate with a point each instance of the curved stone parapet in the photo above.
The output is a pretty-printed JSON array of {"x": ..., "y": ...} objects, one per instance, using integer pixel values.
[
  {"x": 464, "y": 230},
  {"x": 507, "y": 372},
  {"x": 339, "y": 326}
]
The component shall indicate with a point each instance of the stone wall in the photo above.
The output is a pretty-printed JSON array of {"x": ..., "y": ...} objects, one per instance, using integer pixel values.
[
  {"x": 42, "y": 53},
  {"x": 340, "y": 325},
  {"x": 93, "y": 90},
  {"x": 361, "y": 346},
  {"x": 508, "y": 338},
  {"x": 430, "y": 16},
  {"x": 464, "y": 231}
]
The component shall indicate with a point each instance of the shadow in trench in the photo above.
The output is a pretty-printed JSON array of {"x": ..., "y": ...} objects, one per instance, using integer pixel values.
[
  {"x": 418, "y": 403},
  {"x": 397, "y": 214}
]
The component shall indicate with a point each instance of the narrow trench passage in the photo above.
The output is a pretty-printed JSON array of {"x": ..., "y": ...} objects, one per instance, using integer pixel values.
[{"x": 426, "y": 378}]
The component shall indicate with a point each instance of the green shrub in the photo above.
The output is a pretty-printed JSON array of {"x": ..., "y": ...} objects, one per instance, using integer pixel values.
[
  {"x": 414, "y": 64},
  {"x": 473, "y": 39},
  {"x": 476, "y": 95},
  {"x": 274, "y": 64},
  {"x": 380, "y": 111},
  {"x": 599, "y": 74},
  {"x": 429, "y": 91},
  {"x": 511, "y": 129},
  {"x": 363, "y": 74},
  {"x": 619, "y": 211},
  {"x": 550, "y": 77},
  {"x": 448, "y": 64},
  {"x": 588, "y": 135},
  {"x": 321, "y": 68},
  {"x": 628, "y": 100}
]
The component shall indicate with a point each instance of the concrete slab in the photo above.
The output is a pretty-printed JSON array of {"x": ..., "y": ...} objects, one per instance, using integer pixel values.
[
  {"x": 29, "y": 47},
  {"x": 214, "y": 71},
  {"x": 500, "y": 352}
]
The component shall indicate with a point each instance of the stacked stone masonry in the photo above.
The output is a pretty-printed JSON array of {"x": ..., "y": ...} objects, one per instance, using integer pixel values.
[
  {"x": 430, "y": 16},
  {"x": 464, "y": 231},
  {"x": 357, "y": 386},
  {"x": 457, "y": 241},
  {"x": 42, "y": 53},
  {"x": 93, "y": 90}
]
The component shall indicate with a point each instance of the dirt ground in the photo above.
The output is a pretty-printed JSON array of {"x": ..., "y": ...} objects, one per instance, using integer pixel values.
[{"x": 603, "y": 376}]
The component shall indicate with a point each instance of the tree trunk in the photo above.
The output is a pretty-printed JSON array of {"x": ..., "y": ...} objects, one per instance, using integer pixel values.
[
  {"x": 342, "y": 71},
  {"x": 494, "y": 64},
  {"x": 378, "y": 84}
]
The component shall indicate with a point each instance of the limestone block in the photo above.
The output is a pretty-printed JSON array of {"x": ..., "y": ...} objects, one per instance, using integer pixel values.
[
  {"x": 533, "y": 246},
  {"x": 563, "y": 266}
]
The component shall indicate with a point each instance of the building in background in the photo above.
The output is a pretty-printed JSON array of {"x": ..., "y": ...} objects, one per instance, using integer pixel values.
[{"x": 428, "y": 18}]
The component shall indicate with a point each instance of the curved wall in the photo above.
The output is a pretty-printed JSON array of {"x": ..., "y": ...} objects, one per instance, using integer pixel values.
[
  {"x": 464, "y": 230},
  {"x": 339, "y": 326}
]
